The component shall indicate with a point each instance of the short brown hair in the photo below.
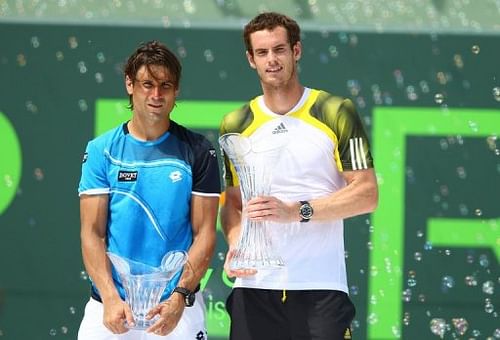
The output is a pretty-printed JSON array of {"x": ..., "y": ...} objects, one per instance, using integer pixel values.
[
  {"x": 269, "y": 21},
  {"x": 149, "y": 54}
]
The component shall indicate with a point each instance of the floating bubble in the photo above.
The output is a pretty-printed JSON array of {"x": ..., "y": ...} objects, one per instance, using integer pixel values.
[
  {"x": 31, "y": 107},
  {"x": 99, "y": 78},
  {"x": 372, "y": 319},
  {"x": 438, "y": 327},
  {"x": 83, "y": 275},
  {"x": 81, "y": 66},
  {"x": 489, "y": 287},
  {"x": 406, "y": 318},
  {"x": 421, "y": 298},
  {"x": 418, "y": 256},
  {"x": 52, "y": 332},
  {"x": 21, "y": 60},
  {"x": 478, "y": 212},
  {"x": 64, "y": 330},
  {"x": 369, "y": 245},
  {"x": 334, "y": 53},
  {"x": 35, "y": 42},
  {"x": 475, "y": 49},
  {"x": 428, "y": 245},
  {"x": 101, "y": 58},
  {"x": 407, "y": 295},
  {"x": 72, "y": 310},
  {"x": 209, "y": 56},
  {"x": 412, "y": 282},
  {"x": 470, "y": 281},
  {"x": 447, "y": 282},
  {"x": 496, "y": 333},
  {"x": 439, "y": 98},
  {"x": 459, "y": 62},
  {"x": 354, "y": 290},
  {"x": 461, "y": 325},
  {"x": 73, "y": 42},
  {"x": 59, "y": 56},
  {"x": 496, "y": 93},
  {"x": 221, "y": 256},
  {"x": 484, "y": 261},
  {"x": 39, "y": 176},
  {"x": 488, "y": 306},
  {"x": 82, "y": 104},
  {"x": 462, "y": 174}
]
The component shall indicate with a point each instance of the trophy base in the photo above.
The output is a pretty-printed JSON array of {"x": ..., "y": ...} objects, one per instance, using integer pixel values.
[
  {"x": 141, "y": 324},
  {"x": 274, "y": 264}
]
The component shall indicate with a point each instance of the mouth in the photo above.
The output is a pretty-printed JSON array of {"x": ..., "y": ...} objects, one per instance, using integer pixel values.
[
  {"x": 275, "y": 69},
  {"x": 155, "y": 106}
]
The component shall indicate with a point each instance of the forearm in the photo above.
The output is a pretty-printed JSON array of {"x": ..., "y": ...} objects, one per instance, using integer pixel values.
[
  {"x": 360, "y": 196},
  {"x": 98, "y": 265},
  {"x": 199, "y": 257}
]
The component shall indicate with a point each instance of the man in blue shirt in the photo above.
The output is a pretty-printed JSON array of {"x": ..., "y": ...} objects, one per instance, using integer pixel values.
[{"x": 148, "y": 186}]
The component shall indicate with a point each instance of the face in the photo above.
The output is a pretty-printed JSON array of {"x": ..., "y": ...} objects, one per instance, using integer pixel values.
[
  {"x": 273, "y": 58},
  {"x": 153, "y": 94}
]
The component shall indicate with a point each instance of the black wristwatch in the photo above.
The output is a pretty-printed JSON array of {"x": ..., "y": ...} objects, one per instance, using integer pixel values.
[
  {"x": 189, "y": 296},
  {"x": 305, "y": 211}
]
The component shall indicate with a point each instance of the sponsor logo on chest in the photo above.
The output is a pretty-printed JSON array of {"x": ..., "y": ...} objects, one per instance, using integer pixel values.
[{"x": 127, "y": 176}]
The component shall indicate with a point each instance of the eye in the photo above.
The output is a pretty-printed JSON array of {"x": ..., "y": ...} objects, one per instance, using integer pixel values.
[
  {"x": 261, "y": 53},
  {"x": 147, "y": 84},
  {"x": 166, "y": 85}
]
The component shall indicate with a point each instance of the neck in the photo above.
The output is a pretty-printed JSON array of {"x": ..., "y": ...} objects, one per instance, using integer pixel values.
[
  {"x": 281, "y": 99},
  {"x": 147, "y": 131}
]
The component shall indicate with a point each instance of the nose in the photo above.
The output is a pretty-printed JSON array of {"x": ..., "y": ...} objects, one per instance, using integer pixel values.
[{"x": 157, "y": 92}]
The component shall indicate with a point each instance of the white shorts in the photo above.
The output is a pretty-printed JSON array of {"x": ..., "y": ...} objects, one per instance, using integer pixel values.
[{"x": 190, "y": 326}]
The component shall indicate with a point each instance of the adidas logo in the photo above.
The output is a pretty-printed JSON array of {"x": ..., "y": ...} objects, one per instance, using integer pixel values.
[{"x": 280, "y": 129}]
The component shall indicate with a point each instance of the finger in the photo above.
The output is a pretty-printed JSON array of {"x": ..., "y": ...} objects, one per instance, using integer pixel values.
[{"x": 129, "y": 317}]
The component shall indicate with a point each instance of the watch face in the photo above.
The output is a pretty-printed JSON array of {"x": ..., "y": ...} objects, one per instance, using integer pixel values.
[
  {"x": 306, "y": 211},
  {"x": 189, "y": 300}
]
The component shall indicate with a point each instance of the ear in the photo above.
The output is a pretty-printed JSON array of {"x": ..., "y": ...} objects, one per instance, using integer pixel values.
[
  {"x": 177, "y": 90},
  {"x": 129, "y": 85},
  {"x": 297, "y": 51},
  {"x": 250, "y": 60}
]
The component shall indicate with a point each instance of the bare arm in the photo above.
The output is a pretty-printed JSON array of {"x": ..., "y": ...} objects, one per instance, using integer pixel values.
[
  {"x": 93, "y": 217},
  {"x": 203, "y": 218},
  {"x": 359, "y": 196}
]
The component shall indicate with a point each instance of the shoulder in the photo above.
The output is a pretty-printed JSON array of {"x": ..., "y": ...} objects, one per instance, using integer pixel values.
[
  {"x": 188, "y": 136},
  {"x": 108, "y": 137},
  {"x": 331, "y": 102},
  {"x": 237, "y": 120}
]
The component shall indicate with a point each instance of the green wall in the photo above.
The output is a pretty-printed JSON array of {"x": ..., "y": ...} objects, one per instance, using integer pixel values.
[{"x": 435, "y": 233}]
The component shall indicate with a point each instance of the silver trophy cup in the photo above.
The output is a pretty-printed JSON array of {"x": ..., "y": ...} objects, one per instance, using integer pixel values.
[
  {"x": 253, "y": 161},
  {"x": 144, "y": 284}
]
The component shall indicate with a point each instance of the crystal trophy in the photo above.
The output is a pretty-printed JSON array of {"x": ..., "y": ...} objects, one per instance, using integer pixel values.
[
  {"x": 253, "y": 160},
  {"x": 144, "y": 284}
]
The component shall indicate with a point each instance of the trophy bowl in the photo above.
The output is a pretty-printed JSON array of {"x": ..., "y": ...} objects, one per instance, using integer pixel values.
[{"x": 144, "y": 284}]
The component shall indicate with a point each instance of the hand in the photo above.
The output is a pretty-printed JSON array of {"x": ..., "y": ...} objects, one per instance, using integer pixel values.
[
  {"x": 236, "y": 272},
  {"x": 170, "y": 312},
  {"x": 269, "y": 208},
  {"x": 116, "y": 312}
]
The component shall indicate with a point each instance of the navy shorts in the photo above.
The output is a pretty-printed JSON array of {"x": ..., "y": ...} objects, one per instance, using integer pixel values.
[{"x": 264, "y": 314}]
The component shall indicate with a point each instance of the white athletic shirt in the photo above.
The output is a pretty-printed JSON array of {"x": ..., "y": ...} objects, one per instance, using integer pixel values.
[{"x": 324, "y": 136}]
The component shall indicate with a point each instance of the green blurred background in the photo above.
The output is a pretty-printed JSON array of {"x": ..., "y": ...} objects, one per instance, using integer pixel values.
[{"x": 423, "y": 74}]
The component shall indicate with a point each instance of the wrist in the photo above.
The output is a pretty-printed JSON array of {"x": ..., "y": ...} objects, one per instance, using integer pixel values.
[{"x": 306, "y": 211}]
